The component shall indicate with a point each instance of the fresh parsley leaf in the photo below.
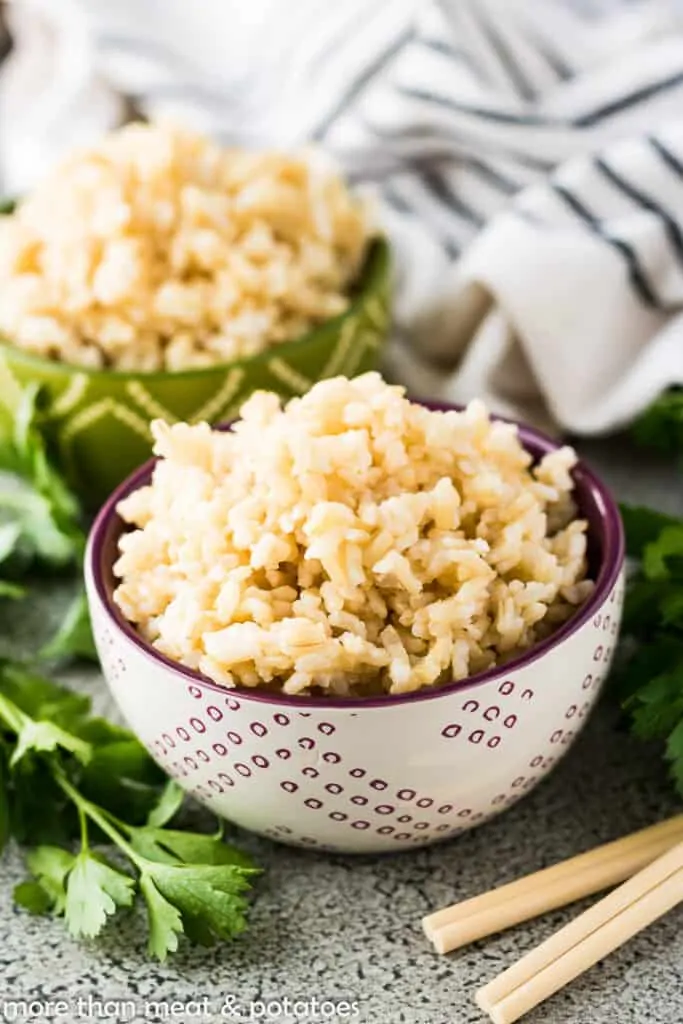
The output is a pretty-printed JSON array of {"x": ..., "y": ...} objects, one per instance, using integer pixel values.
[
  {"x": 11, "y": 591},
  {"x": 192, "y": 848},
  {"x": 663, "y": 557},
  {"x": 9, "y": 538},
  {"x": 649, "y": 680},
  {"x": 165, "y": 922},
  {"x": 642, "y": 526},
  {"x": 39, "y": 811},
  {"x": 44, "y": 513},
  {"x": 94, "y": 890},
  {"x": 674, "y": 753},
  {"x": 50, "y": 866},
  {"x": 5, "y": 817},
  {"x": 41, "y": 698},
  {"x": 658, "y": 705},
  {"x": 74, "y": 637},
  {"x": 61, "y": 777},
  {"x": 211, "y": 893},
  {"x": 167, "y": 806},
  {"x": 661, "y": 425},
  {"x": 42, "y": 737},
  {"x": 122, "y": 777},
  {"x": 32, "y": 896}
]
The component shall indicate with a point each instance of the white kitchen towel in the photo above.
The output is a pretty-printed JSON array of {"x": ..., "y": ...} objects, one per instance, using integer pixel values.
[{"x": 526, "y": 156}]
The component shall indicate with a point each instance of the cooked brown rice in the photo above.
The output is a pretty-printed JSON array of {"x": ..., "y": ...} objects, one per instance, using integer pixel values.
[
  {"x": 157, "y": 249},
  {"x": 350, "y": 543}
]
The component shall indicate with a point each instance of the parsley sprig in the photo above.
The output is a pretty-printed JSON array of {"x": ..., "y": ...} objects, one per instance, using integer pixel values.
[
  {"x": 41, "y": 524},
  {"x": 69, "y": 777},
  {"x": 650, "y": 678}
]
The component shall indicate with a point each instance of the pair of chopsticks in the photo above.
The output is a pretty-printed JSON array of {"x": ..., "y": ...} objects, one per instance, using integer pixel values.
[{"x": 651, "y": 861}]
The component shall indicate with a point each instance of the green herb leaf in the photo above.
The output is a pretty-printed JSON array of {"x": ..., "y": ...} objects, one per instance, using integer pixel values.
[
  {"x": 663, "y": 557},
  {"x": 50, "y": 866},
  {"x": 674, "y": 753},
  {"x": 74, "y": 637},
  {"x": 33, "y": 897},
  {"x": 211, "y": 893},
  {"x": 165, "y": 922},
  {"x": 192, "y": 848},
  {"x": 40, "y": 698},
  {"x": 39, "y": 811},
  {"x": 94, "y": 890},
  {"x": 9, "y": 538},
  {"x": 44, "y": 514},
  {"x": 167, "y": 806},
  {"x": 121, "y": 776},
  {"x": 11, "y": 591},
  {"x": 661, "y": 425},
  {"x": 5, "y": 815},
  {"x": 43, "y": 737},
  {"x": 643, "y": 526}
]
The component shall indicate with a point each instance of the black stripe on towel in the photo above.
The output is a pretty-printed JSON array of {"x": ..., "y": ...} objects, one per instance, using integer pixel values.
[
  {"x": 506, "y": 59},
  {"x": 669, "y": 158},
  {"x": 672, "y": 229},
  {"x": 554, "y": 61},
  {"x": 360, "y": 82},
  {"x": 493, "y": 176},
  {"x": 630, "y": 100},
  {"x": 439, "y": 187},
  {"x": 638, "y": 278},
  {"x": 445, "y": 48},
  {"x": 401, "y": 206},
  {"x": 486, "y": 113}
]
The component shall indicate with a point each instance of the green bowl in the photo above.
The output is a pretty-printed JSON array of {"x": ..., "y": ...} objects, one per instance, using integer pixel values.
[{"x": 98, "y": 420}]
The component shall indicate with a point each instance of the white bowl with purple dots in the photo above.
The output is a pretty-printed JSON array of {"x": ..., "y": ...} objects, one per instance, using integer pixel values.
[{"x": 367, "y": 775}]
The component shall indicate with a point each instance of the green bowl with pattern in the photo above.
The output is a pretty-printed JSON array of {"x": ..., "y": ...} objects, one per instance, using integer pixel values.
[{"x": 98, "y": 420}]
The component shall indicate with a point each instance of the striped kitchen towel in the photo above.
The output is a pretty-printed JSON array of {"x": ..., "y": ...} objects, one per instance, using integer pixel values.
[{"x": 525, "y": 156}]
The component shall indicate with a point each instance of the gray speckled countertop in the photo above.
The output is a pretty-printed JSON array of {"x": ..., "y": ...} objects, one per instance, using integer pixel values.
[{"x": 346, "y": 928}]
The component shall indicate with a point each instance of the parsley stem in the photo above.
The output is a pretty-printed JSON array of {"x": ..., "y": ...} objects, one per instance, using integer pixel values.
[
  {"x": 12, "y": 715},
  {"x": 98, "y": 816}
]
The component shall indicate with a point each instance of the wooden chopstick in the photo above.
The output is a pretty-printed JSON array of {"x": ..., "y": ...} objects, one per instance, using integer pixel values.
[
  {"x": 550, "y": 888},
  {"x": 591, "y": 936}
]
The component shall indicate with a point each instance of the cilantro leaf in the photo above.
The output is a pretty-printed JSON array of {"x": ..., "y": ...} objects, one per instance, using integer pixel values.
[
  {"x": 94, "y": 890},
  {"x": 165, "y": 922}
]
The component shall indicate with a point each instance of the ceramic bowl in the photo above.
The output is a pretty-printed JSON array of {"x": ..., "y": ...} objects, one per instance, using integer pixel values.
[
  {"x": 98, "y": 421},
  {"x": 374, "y": 775}
]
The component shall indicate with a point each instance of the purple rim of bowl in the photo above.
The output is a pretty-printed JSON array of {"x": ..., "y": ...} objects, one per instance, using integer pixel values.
[{"x": 595, "y": 502}]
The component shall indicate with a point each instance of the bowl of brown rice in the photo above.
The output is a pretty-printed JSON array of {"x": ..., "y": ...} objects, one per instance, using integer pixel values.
[
  {"x": 355, "y": 621},
  {"x": 159, "y": 275}
]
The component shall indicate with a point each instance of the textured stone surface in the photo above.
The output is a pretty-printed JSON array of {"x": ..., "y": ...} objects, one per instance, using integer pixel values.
[{"x": 348, "y": 928}]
